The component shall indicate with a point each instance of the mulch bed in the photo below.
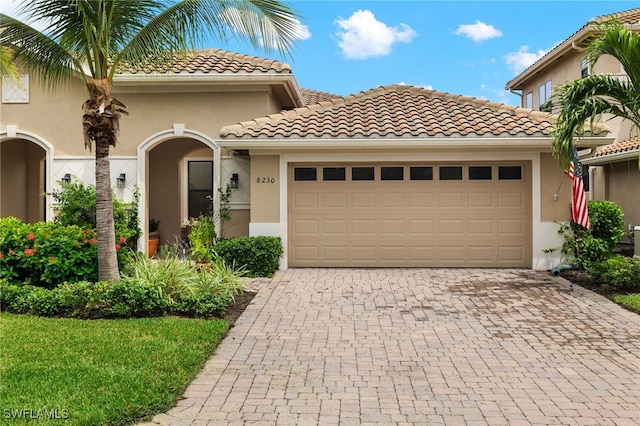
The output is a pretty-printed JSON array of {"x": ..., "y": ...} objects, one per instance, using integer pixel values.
[
  {"x": 582, "y": 278},
  {"x": 237, "y": 308}
]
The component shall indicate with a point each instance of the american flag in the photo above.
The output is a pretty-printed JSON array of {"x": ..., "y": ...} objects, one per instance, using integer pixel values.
[{"x": 579, "y": 212}]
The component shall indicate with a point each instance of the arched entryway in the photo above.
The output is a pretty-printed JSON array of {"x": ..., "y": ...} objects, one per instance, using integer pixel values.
[
  {"x": 177, "y": 170},
  {"x": 25, "y": 167}
]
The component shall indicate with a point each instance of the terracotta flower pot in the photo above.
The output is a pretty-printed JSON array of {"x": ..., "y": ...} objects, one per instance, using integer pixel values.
[{"x": 153, "y": 246}]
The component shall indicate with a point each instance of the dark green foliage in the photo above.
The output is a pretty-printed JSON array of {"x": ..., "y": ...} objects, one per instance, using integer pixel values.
[
  {"x": 124, "y": 299},
  {"x": 618, "y": 273},
  {"x": 260, "y": 256},
  {"x": 202, "y": 305},
  {"x": 596, "y": 244},
  {"x": 607, "y": 222}
]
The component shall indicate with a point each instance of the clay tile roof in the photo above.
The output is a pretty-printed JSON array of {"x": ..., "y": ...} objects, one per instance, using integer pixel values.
[
  {"x": 618, "y": 147},
  {"x": 211, "y": 61},
  {"x": 631, "y": 16},
  {"x": 314, "y": 96},
  {"x": 398, "y": 111}
]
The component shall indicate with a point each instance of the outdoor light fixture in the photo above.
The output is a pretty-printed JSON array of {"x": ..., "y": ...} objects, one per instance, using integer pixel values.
[
  {"x": 120, "y": 180},
  {"x": 66, "y": 179},
  {"x": 233, "y": 182}
]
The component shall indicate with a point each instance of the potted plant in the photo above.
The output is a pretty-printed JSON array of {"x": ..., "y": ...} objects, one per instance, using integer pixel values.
[{"x": 154, "y": 236}]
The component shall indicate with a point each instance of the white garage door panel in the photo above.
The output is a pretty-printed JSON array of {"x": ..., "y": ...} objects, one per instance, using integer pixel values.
[{"x": 410, "y": 223}]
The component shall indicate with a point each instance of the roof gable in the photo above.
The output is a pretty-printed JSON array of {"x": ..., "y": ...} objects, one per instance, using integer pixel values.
[{"x": 397, "y": 111}]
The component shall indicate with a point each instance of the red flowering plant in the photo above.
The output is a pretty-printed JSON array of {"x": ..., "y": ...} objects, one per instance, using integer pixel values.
[{"x": 46, "y": 254}]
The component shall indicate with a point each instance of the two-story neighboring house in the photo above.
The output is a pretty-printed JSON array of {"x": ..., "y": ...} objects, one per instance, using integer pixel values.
[{"x": 613, "y": 169}]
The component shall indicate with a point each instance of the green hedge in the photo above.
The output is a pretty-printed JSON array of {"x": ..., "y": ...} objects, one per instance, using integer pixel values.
[
  {"x": 124, "y": 299},
  {"x": 260, "y": 256},
  {"x": 618, "y": 273}
]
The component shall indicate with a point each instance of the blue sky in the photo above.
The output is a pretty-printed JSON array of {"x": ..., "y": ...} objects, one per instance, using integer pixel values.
[{"x": 469, "y": 48}]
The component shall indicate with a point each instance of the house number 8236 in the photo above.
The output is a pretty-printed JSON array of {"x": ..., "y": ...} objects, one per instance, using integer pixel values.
[{"x": 266, "y": 180}]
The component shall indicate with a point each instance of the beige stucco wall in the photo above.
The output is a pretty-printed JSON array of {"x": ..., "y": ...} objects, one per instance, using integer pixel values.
[
  {"x": 623, "y": 186},
  {"x": 553, "y": 208},
  {"x": 237, "y": 225},
  {"x": 564, "y": 69},
  {"x": 204, "y": 109},
  {"x": 265, "y": 186}
]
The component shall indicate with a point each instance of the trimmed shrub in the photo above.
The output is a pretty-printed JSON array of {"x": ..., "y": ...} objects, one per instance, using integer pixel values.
[
  {"x": 260, "y": 256},
  {"x": 202, "y": 305},
  {"x": 124, "y": 299},
  {"x": 618, "y": 273}
]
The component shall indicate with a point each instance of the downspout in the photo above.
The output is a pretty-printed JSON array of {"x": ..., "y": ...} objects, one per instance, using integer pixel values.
[
  {"x": 563, "y": 267},
  {"x": 513, "y": 92}
]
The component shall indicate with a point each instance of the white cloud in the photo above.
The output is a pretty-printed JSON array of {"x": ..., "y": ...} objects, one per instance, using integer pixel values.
[
  {"x": 479, "y": 31},
  {"x": 11, "y": 8},
  {"x": 522, "y": 59},
  {"x": 362, "y": 36}
]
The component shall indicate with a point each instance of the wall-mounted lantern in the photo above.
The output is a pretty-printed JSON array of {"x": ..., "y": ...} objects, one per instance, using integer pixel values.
[
  {"x": 121, "y": 180},
  {"x": 234, "y": 181},
  {"x": 66, "y": 179}
]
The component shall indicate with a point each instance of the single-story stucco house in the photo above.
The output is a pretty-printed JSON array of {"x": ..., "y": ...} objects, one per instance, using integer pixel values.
[{"x": 393, "y": 176}]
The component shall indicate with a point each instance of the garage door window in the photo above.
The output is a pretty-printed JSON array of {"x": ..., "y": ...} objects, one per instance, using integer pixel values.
[
  {"x": 363, "y": 173},
  {"x": 450, "y": 173},
  {"x": 392, "y": 173},
  {"x": 479, "y": 172},
  {"x": 304, "y": 174},
  {"x": 421, "y": 173},
  {"x": 510, "y": 172},
  {"x": 333, "y": 173}
]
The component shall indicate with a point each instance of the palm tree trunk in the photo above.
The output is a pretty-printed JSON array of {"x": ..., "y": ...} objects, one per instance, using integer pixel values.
[
  {"x": 100, "y": 122},
  {"x": 107, "y": 256}
]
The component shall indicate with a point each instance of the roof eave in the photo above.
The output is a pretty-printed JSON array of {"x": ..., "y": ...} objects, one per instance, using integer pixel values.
[
  {"x": 386, "y": 143},
  {"x": 126, "y": 82},
  {"x": 372, "y": 142},
  {"x": 613, "y": 158}
]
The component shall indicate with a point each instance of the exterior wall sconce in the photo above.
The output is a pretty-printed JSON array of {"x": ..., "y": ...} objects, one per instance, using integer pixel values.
[
  {"x": 121, "y": 180},
  {"x": 233, "y": 181},
  {"x": 66, "y": 179}
]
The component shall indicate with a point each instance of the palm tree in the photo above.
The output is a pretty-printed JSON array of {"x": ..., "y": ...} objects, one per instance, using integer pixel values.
[
  {"x": 588, "y": 99},
  {"x": 90, "y": 39}
]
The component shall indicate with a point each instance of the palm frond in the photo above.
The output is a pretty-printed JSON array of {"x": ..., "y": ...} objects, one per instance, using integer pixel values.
[
  {"x": 8, "y": 67},
  {"x": 37, "y": 52},
  {"x": 589, "y": 99},
  {"x": 187, "y": 24}
]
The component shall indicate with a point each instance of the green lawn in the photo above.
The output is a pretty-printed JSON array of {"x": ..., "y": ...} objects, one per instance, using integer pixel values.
[
  {"x": 107, "y": 372},
  {"x": 629, "y": 301}
]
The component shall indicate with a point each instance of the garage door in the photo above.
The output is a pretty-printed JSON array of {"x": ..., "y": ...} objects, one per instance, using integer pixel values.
[{"x": 433, "y": 215}]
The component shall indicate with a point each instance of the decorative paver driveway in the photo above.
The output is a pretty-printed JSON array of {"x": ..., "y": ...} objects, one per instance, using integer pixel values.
[{"x": 421, "y": 346}]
